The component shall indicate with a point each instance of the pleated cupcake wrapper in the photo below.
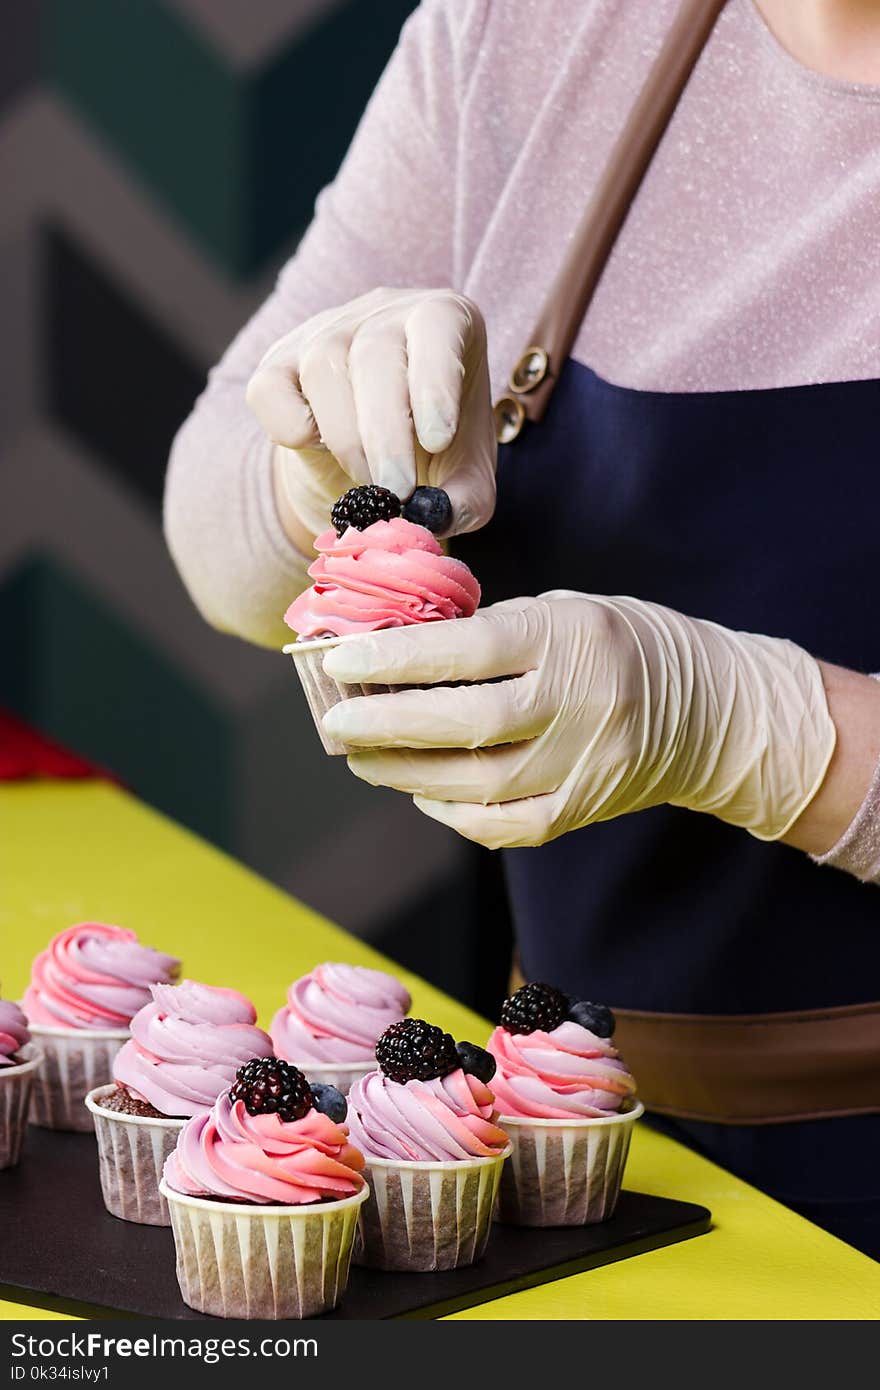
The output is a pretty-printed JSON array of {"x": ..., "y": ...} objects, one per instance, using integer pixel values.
[
  {"x": 564, "y": 1174},
  {"x": 239, "y": 1261},
  {"x": 322, "y": 691},
  {"x": 75, "y": 1061},
  {"x": 16, "y": 1088},
  {"x": 424, "y": 1216},
  {"x": 337, "y": 1074},
  {"x": 132, "y": 1150}
]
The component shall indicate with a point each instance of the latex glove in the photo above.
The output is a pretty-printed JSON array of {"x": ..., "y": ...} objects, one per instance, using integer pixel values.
[
  {"x": 610, "y": 705},
  {"x": 392, "y": 388}
]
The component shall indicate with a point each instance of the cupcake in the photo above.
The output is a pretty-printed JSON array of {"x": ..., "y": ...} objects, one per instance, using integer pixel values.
[
  {"x": 425, "y": 1123},
  {"x": 567, "y": 1101},
  {"x": 84, "y": 989},
  {"x": 264, "y": 1193},
  {"x": 185, "y": 1048},
  {"x": 19, "y": 1062},
  {"x": 374, "y": 570},
  {"x": 333, "y": 1019}
]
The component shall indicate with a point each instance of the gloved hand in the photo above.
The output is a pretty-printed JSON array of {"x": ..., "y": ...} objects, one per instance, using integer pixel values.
[
  {"x": 607, "y": 705},
  {"x": 393, "y": 389}
]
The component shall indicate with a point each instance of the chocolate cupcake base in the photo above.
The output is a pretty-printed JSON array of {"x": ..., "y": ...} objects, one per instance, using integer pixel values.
[
  {"x": 564, "y": 1173},
  {"x": 425, "y": 1216},
  {"x": 16, "y": 1087},
  {"x": 75, "y": 1061},
  {"x": 235, "y": 1260},
  {"x": 321, "y": 691},
  {"x": 132, "y": 1149}
]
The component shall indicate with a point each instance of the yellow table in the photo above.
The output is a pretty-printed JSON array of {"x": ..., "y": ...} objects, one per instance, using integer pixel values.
[{"x": 74, "y": 851}]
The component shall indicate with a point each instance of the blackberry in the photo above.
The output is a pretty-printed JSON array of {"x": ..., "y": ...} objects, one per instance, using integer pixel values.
[
  {"x": 476, "y": 1060},
  {"x": 532, "y": 1007},
  {"x": 269, "y": 1086},
  {"x": 429, "y": 507},
  {"x": 413, "y": 1050},
  {"x": 597, "y": 1017},
  {"x": 361, "y": 506}
]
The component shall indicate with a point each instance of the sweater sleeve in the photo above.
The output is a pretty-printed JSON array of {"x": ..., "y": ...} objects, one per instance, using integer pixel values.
[
  {"x": 857, "y": 852},
  {"x": 387, "y": 219}
]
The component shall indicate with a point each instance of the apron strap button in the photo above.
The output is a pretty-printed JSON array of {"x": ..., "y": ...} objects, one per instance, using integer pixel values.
[
  {"x": 510, "y": 417},
  {"x": 530, "y": 370}
]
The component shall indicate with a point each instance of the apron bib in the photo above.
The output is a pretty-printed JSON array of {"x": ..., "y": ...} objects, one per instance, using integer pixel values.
[{"x": 757, "y": 510}]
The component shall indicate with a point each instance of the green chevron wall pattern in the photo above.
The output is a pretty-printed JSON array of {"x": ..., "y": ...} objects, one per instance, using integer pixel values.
[{"x": 157, "y": 166}]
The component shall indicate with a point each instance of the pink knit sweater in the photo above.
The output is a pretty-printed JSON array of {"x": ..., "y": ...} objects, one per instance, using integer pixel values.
[{"x": 749, "y": 258}]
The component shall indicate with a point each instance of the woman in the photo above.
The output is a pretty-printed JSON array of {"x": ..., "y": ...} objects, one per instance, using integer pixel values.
[{"x": 710, "y": 446}]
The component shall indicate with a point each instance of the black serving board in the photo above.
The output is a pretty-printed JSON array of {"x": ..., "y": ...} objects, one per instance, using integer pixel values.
[{"x": 60, "y": 1248}]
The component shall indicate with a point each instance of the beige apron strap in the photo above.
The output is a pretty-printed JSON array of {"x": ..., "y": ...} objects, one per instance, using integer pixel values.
[
  {"x": 752, "y": 1069},
  {"x": 535, "y": 374}
]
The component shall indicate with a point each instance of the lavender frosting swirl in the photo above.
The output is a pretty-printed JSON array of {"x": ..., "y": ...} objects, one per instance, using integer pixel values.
[
  {"x": 93, "y": 975},
  {"x": 186, "y": 1046},
  {"x": 337, "y": 1013},
  {"x": 447, "y": 1119}
]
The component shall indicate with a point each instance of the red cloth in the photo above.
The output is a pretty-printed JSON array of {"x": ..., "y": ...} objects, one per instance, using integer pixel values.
[{"x": 26, "y": 753}]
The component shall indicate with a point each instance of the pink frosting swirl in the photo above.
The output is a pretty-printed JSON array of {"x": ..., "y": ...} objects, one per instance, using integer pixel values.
[
  {"x": 452, "y": 1117},
  {"x": 390, "y": 574},
  {"x": 14, "y": 1033},
  {"x": 337, "y": 1013},
  {"x": 186, "y": 1046},
  {"x": 261, "y": 1158},
  {"x": 94, "y": 976},
  {"x": 558, "y": 1075}
]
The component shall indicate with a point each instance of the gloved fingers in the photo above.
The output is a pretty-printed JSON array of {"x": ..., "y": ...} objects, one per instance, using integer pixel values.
[
  {"x": 325, "y": 384},
  {"x": 482, "y": 775},
  {"x": 377, "y": 368},
  {"x": 533, "y": 820},
  {"x": 274, "y": 396},
  {"x": 311, "y": 480},
  {"x": 438, "y": 330},
  {"x": 503, "y": 640},
  {"x": 466, "y": 470},
  {"x": 317, "y": 472},
  {"x": 451, "y": 404},
  {"x": 441, "y": 716}
]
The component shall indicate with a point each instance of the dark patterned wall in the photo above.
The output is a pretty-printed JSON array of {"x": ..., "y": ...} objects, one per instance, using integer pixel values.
[{"x": 158, "y": 160}]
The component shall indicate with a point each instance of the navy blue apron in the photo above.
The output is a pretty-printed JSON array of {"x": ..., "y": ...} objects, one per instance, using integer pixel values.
[{"x": 759, "y": 510}]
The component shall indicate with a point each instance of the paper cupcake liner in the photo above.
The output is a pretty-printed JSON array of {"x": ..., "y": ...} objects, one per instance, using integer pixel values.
[
  {"x": 75, "y": 1061},
  {"x": 240, "y": 1261},
  {"x": 322, "y": 691},
  {"x": 424, "y": 1216},
  {"x": 16, "y": 1087},
  {"x": 132, "y": 1150},
  {"x": 564, "y": 1173},
  {"x": 342, "y": 1075}
]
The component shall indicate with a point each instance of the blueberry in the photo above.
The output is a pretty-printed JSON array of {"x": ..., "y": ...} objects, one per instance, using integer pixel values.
[
  {"x": 597, "y": 1017},
  {"x": 429, "y": 507},
  {"x": 329, "y": 1101},
  {"x": 476, "y": 1060}
]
